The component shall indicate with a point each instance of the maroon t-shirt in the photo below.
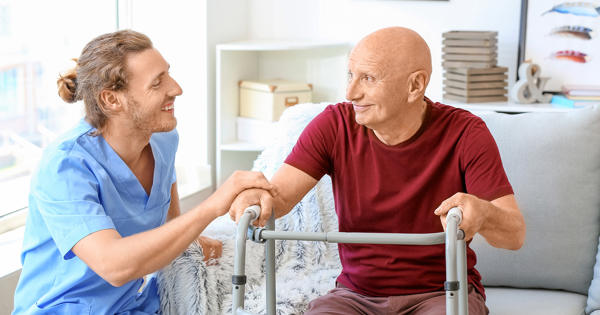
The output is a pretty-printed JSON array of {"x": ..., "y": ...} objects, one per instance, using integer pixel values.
[{"x": 381, "y": 188}]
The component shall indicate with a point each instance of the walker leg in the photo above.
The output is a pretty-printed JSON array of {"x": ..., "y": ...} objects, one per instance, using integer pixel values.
[
  {"x": 270, "y": 268},
  {"x": 452, "y": 285},
  {"x": 463, "y": 303},
  {"x": 238, "y": 280}
]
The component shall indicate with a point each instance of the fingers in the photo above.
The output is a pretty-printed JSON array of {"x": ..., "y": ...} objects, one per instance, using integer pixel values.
[
  {"x": 446, "y": 205},
  {"x": 472, "y": 211},
  {"x": 249, "y": 198},
  {"x": 235, "y": 211},
  {"x": 457, "y": 200},
  {"x": 443, "y": 221},
  {"x": 266, "y": 209}
]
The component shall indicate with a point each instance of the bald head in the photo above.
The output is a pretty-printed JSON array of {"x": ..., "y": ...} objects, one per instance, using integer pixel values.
[
  {"x": 388, "y": 73},
  {"x": 399, "y": 48}
]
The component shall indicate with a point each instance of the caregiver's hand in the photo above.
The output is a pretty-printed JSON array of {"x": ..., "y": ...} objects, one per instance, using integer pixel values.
[{"x": 239, "y": 181}]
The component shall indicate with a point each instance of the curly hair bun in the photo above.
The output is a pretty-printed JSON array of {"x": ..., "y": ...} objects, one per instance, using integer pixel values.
[{"x": 67, "y": 86}]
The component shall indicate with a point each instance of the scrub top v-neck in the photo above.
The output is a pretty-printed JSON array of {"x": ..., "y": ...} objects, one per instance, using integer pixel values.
[{"x": 80, "y": 187}]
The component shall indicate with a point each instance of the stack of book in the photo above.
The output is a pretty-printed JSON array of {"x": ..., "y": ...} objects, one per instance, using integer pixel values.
[
  {"x": 577, "y": 96},
  {"x": 469, "y": 60}
]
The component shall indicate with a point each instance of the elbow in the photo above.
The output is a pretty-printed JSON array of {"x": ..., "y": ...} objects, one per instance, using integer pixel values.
[
  {"x": 116, "y": 282},
  {"x": 117, "y": 276},
  {"x": 513, "y": 240},
  {"x": 520, "y": 238},
  {"x": 516, "y": 245}
]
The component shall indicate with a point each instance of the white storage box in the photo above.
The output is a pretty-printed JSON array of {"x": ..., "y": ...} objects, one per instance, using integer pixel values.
[
  {"x": 266, "y": 100},
  {"x": 255, "y": 130}
]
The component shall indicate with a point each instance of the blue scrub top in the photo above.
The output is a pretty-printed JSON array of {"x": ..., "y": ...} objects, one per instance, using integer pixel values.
[{"x": 82, "y": 186}]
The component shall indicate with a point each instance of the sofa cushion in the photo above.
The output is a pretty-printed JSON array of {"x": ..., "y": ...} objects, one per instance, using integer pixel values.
[
  {"x": 553, "y": 162},
  {"x": 593, "y": 304},
  {"x": 508, "y": 301}
]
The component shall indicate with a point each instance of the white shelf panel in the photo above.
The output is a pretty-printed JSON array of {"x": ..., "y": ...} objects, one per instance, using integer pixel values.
[
  {"x": 242, "y": 146},
  {"x": 279, "y": 45},
  {"x": 508, "y": 107}
]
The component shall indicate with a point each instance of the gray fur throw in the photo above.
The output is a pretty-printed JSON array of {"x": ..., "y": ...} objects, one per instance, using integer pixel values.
[{"x": 305, "y": 270}]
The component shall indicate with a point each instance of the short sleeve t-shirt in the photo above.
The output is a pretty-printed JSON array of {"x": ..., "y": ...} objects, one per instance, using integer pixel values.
[
  {"x": 395, "y": 189},
  {"x": 82, "y": 186}
]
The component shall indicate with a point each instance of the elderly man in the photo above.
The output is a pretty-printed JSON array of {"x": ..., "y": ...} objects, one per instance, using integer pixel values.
[{"x": 398, "y": 163}]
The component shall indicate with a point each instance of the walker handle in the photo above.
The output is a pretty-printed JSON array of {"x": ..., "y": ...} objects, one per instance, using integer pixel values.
[
  {"x": 457, "y": 213},
  {"x": 254, "y": 212}
]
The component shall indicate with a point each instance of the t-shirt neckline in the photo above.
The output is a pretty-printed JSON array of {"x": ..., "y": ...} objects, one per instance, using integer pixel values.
[{"x": 414, "y": 137}]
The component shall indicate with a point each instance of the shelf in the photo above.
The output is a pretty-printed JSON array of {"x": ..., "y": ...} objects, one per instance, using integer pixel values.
[
  {"x": 323, "y": 64},
  {"x": 275, "y": 45},
  {"x": 508, "y": 107},
  {"x": 242, "y": 146}
]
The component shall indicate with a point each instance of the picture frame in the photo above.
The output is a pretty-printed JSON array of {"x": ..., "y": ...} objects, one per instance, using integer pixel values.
[{"x": 563, "y": 38}]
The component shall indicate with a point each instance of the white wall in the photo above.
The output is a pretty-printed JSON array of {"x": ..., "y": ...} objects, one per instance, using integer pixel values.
[
  {"x": 352, "y": 19},
  {"x": 226, "y": 21}
]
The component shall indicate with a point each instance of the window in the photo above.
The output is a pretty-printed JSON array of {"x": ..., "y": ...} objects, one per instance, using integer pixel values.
[{"x": 37, "y": 40}]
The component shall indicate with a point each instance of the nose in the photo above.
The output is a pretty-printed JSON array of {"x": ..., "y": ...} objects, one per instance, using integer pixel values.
[
  {"x": 353, "y": 90},
  {"x": 175, "y": 89}
]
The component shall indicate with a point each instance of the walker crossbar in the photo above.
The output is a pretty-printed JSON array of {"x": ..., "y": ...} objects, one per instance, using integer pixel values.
[{"x": 456, "y": 267}]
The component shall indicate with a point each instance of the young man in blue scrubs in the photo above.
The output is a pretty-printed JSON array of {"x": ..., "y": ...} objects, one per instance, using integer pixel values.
[{"x": 103, "y": 207}]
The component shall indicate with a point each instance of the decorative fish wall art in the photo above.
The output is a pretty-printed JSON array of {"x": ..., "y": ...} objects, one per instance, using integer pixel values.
[
  {"x": 571, "y": 55},
  {"x": 575, "y": 31},
  {"x": 576, "y": 8}
]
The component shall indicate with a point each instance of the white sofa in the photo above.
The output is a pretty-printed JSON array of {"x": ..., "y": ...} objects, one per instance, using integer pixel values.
[{"x": 553, "y": 163}]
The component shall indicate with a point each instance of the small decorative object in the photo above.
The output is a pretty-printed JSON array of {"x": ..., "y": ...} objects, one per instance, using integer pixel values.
[
  {"x": 267, "y": 99},
  {"x": 469, "y": 49},
  {"x": 476, "y": 85},
  {"x": 470, "y": 60},
  {"x": 530, "y": 86}
]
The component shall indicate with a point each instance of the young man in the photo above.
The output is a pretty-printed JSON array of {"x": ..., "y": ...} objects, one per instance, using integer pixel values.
[
  {"x": 398, "y": 164},
  {"x": 103, "y": 191}
]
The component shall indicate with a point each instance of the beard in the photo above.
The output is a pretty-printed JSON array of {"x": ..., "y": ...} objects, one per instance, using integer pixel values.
[{"x": 149, "y": 120}]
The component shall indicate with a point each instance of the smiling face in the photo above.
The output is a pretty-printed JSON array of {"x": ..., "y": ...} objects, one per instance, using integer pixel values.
[
  {"x": 150, "y": 95},
  {"x": 376, "y": 90},
  {"x": 388, "y": 72}
]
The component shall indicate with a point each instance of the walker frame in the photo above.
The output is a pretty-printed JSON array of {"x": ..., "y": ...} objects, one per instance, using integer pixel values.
[{"x": 455, "y": 248}]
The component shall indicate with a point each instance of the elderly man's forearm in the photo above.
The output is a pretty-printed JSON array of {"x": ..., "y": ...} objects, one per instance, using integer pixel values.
[{"x": 505, "y": 228}]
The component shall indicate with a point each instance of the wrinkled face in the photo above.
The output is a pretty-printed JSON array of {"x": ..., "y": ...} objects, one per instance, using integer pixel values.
[
  {"x": 376, "y": 87},
  {"x": 151, "y": 92}
]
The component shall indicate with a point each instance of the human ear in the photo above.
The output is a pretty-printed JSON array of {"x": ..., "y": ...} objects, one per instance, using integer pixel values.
[
  {"x": 417, "y": 83},
  {"x": 110, "y": 101}
]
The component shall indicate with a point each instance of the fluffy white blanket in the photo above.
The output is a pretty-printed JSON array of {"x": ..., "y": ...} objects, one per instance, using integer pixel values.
[{"x": 305, "y": 270}]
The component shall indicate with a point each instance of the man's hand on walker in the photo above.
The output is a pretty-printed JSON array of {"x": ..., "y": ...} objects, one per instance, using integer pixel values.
[
  {"x": 474, "y": 210},
  {"x": 249, "y": 198}
]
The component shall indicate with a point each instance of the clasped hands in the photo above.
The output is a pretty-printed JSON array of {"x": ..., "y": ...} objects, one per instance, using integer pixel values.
[
  {"x": 239, "y": 187},
  {"x": 251, "y": 197}
]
